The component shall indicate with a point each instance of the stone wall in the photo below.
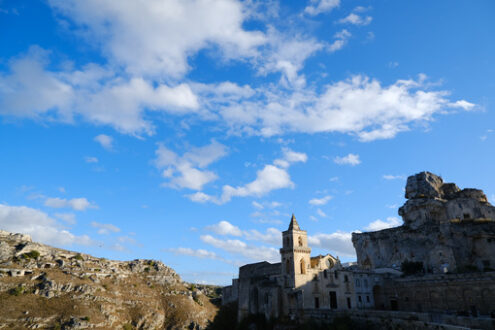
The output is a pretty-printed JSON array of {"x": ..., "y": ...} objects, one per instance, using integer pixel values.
[{"x": 458, "y": 294}]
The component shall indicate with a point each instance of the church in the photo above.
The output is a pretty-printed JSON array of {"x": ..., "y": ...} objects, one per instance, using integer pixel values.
[{"x": 299, "y": 284}]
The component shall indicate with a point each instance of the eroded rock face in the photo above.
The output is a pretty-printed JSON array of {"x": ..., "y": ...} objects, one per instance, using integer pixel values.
[
  {"x": 46, "y": 287},
  {"x": 445, "y": 228}
]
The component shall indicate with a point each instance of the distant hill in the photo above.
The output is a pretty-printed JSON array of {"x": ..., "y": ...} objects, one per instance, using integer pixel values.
[{"x": 46, "y": 287}]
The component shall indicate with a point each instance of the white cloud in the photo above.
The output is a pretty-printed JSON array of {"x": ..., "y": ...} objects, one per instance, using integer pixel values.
[
  {"x": 340, "y": 41},
  {"x": 463, "y": 104},
  {"x": 224, "y": 228},
  {"x": 358, "y": 106},
  {"x": 257, "y": 205},
  {"x": 188, "y": 170},
  {"x": 350, "y": 159},
  {"x": 393, "y": 177},
  {"x": 320, "y": 201},
  {"x": 199, "y": 253},
  {"x": 77, "y": 204},
  {"x": 380, "y": 224},
  {"x": 289, "y": 158},
  {"x": 321, "y": 213},
  {"x": 105, "y": 141},
  {"x": 356, "y": 19},
  {"x": 42, "y": 228},
  {"x": 338, "y": 243},
  {"x": 94, "y": 93},
  {"x": 105, "y": 228},
  {"x": 155, "y": 38},
  {"x": 272, "y": 236},
  {"x": 271, "y": 177},
  {"x": 321, "y": 6},
  {"x": 91, "y": 159},
  {"x": 238, "y": 247},
  {"x": 70, "y": 218}
]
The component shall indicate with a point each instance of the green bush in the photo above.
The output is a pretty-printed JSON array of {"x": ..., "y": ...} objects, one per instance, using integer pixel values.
[
  {"x": 86, "y": 318},
  {"x": 127, "y": 326},
  {"x": 31, "y": 255},
  {"x": 17, "y": 291},
  {"x": 78, "y": 257}
]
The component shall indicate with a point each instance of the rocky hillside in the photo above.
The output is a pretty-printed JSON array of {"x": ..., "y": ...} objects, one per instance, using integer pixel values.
[{"x": 49, "y": 288}]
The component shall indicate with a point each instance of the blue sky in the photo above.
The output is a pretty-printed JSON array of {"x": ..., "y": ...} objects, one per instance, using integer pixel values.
[{"x": 189, "y": 131}]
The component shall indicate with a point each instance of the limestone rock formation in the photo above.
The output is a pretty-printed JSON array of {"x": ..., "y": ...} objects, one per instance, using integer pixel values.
[
  {"x": 445, "y": 228},
  {"x": 46, "y": 287}
]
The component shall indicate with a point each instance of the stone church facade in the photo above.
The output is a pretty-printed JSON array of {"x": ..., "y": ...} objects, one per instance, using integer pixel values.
[{"x": 299, "y": 282}]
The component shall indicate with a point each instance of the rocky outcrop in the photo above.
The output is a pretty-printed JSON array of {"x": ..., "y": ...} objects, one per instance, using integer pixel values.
[
  {"x": 46, "y": 287},
  {"x": 445, "y": 228}
]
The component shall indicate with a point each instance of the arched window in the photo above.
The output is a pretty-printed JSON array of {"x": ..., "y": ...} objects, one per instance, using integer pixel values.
[
  {"x": 287, "y": 266},
  {"x": 303, "y": 266},
  {"x": 300, "y": 241},
  {"x": 286, "y": 241}
]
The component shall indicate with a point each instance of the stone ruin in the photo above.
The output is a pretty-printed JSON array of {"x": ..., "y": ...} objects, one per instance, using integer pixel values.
[{"x": 445, "y": 228}]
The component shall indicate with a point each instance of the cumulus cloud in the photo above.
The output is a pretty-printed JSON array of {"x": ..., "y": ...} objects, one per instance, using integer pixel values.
[
  {"x": 321, "y": 213},
  {"x": 238, "y": 247},
  {"x": 77, "y": 204},
  {"x": 271, "y": 177},
  {"x": 97, "y": 94},
  {"x": 155, "y": 38},
  {"x": 356, "y": 19},
  {"x": 338, "y": 243},
  {"x": 188, "y": 170},
  {"x": 321, "y": 6},
  {"x": 69, "y": 218},
  {"x": 380, "y": 224},
  {"x": 350, "y": 159},
  {"x": 105, "y": 141},
  {"x": 340, "y": 41},
  {"x": 359, "y": 106},
  {"x": 105, "y": 228},
  {"x": 320, "y": 201},
  {"x": 393, "y": 177},
  {"x": 224, "y": 228},
  {"x": 198, "y": 253},
  {"x": 42, "y": 228}
]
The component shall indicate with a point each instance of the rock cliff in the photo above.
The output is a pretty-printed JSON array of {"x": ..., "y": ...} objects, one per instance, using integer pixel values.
[
  {"x": 445, "y": 228},
  {"x": 46, "y": 287}
]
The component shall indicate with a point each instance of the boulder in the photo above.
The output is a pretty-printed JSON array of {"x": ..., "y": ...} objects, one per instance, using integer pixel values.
[{"x": 424, "y": 185}]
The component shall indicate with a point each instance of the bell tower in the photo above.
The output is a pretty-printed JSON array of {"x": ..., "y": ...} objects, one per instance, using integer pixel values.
[{"x": 295, "y": 254}]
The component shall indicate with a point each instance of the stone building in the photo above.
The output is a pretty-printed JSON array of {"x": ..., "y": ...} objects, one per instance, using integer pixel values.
[{"x": 299, "y": 282}]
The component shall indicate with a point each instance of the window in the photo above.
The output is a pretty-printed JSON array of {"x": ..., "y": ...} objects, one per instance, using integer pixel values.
[
  {"x": 300, "y": 241},
  {"x": 365, "y": 282},
  {"x": 346, "y": 279},
  {"x": 358, "y": 282},
  {"x": 349, "y": 303},
  {"x": 303, "y": 266},
  {"x": 360, "y": 299},
  {"x": 336, "y": 274},
  {"x": 317, "y": 302},
  {"x": 367, "y": 299},
  {"x": 325, "y": 273},
  {"x": 287, "y": 241},
  {"x": 467, "y": 216},
  {"x": 287, "y": 266},
  {"x": 333, "y": 300}
]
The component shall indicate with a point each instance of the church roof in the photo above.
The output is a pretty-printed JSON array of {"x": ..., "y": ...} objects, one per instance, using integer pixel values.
[{"x": 293, "y": 223}]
